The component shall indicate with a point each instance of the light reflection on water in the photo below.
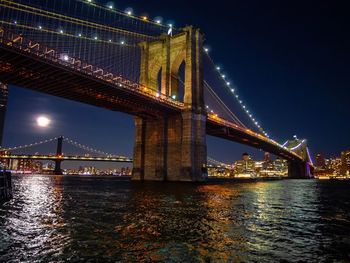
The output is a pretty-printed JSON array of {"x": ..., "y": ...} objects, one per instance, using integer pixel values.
[{"x": 81, "y": 219}]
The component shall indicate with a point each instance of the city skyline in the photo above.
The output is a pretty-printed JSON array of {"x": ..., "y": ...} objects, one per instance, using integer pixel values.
[{"x": 301, "y": 78}]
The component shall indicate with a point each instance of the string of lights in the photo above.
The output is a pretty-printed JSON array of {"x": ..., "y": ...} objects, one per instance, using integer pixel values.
[
  {"x": 222, "y": 105},
  {"x": 90, "y": 149},
  {"x": 129, "y": 13},
  {"x": 64, "y": 18},
  {"x": 233, "y": 91},
  {"x": 28, "y": 145},
  {"x": 64, "y": 33}
]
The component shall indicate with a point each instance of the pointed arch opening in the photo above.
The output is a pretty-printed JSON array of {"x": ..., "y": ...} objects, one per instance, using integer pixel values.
[{"x": 178, "y": 70}]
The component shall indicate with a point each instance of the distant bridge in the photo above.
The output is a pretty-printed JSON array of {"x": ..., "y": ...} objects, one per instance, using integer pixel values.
[{"x": 66, "y": 158}]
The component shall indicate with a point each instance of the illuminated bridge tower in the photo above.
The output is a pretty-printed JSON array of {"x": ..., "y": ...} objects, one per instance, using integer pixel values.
[
  {"x": 58, "y": 170},
  {"x": 173, "y": 147},
  {"x": 299, "y": 169}
]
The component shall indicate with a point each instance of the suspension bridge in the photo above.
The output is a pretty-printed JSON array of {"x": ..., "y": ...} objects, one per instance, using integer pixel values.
[
  {"x": 59, "y": 156},
  {"x": 164, "y": 76}
]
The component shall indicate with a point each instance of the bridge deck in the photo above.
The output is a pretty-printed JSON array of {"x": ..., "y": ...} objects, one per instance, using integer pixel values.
[
  {"x": 43, "y": 70},
  {"x": 40, "y": 70},
  {"x": 223, "y": 129}
]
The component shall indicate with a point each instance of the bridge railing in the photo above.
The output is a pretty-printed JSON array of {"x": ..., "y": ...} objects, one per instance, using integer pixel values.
[
  {"x": 26, "y": 45},
  {"x": 226, "y": 123}
]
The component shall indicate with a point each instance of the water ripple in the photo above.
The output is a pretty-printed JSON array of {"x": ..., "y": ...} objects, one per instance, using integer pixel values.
[{"x": 59, "y": 219}]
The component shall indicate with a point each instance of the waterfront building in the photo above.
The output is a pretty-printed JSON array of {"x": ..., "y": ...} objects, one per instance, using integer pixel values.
[
  {"x": 281, "y": 166},
  {"x": 245, "y": 167},
  {"x": 345, "y": 163},
  {"x": 320, "y": 161}
]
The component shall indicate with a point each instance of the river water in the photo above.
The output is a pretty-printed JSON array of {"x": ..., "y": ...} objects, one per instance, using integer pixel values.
[{"x": 60, "y": 219}]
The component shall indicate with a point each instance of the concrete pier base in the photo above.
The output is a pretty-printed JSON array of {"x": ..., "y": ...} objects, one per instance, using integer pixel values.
[
  {"x": 298, "y": 170},
  {"x": 170, "y": 149}
]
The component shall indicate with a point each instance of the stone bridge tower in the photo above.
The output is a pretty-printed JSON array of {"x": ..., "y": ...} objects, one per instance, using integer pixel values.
[{"x": 173, "y": 147}]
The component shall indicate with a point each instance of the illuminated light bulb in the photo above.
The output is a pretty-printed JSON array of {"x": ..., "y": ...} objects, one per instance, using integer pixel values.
[
  {"x": 79, "y": 35},
  {"x": 228, "y": 83},
  {"x": 129, "y": 11},
  {"x": 207, "y": 106},
  {"x": 243, "y": 106},
  {"x": 110, "y": 40},
  {"x": 65, "y": 57},
  {"x": 232, "y": 90},
  {"x": 250, "y": 115},
  {"x": 40, "y": 27},
  {"x": 122, "y": 42},
  {"x": 170, "y": 25},
  {"x": 110, "y": 7},
  {"x": 157, "y": 95},
  {"x": 90, "y": 1},
  {"x": 95, "y": 38},
  {"x": 158, "y": 21},
  {"x": 236, "y": 96},
  {"x": 206, "y": 50},
  {"x": 61, "y": 31},
  {"x": 145, "y": 18},
  {"x": 218, "y": 68},
  {"x": 15, "y": 22},
  {"x": 173, "y": 97},
  {"x": 240, "y": 101},
  {"x": 223, "y": 76}
]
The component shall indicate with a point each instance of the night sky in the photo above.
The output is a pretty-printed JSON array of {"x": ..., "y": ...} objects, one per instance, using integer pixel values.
[{"x": 288, "y": 59}]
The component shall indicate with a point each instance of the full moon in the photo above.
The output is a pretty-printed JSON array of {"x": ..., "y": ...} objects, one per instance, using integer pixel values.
[{"x": 43, "y": 121}]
